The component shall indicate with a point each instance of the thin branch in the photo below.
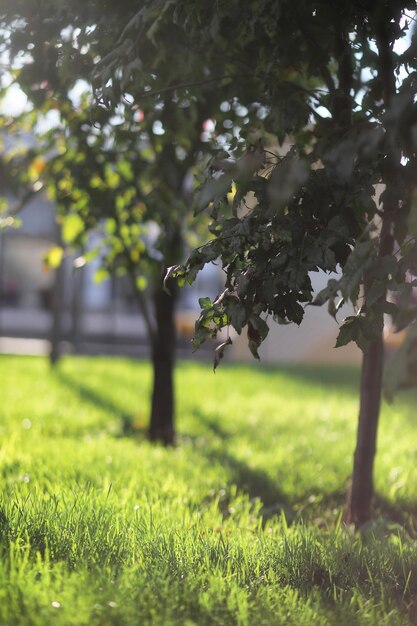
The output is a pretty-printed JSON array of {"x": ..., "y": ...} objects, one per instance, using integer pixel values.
[
  {"x": 19, "y": 206},
  {"x": 307, "y": 92},
  {"x": 138, "y": 294},
  {"x": 410, "y": 17},
  {"x": 197, "y": 83},
  {"x": 142, "y": 304}
]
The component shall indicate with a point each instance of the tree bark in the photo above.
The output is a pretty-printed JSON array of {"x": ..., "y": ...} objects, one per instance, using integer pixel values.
[
  {"x": 161, "y": 426},
  {"x": 359, "y": 498},
  {"x": 77, "y": 308},
  {"x": 56, "y": 332}
]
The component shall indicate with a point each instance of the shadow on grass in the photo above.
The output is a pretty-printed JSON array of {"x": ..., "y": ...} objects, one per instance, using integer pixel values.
[
  {"x": 344, "y": 377},
  {"x": 256, "y": 483},
  {"x": 128, "y": 422},
  {"x": 386, "y": 514},
  {"x": 324, "y": 510},
  {"x": 402, "y": 512},
  {"x": 212, "y": 424}
]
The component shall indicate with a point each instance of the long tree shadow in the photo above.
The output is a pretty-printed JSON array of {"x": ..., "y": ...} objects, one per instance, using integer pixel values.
[
  {"x": 386, "y": 516},
  {"x": 211, "y": 423},
  {"x": 325, "y": 509},
  {"x": 128, "y": 421},
  {"x": 256, "y": 483},
  {"x": 401, "y": 512}
]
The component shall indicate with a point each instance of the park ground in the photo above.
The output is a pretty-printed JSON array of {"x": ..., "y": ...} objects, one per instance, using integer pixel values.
[{"x": 239, "y": 524}]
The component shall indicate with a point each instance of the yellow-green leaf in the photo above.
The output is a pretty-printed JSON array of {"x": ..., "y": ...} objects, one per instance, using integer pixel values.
[
  {"x": 141, "y": 283},
  {"x": 53, "y": 257},
  {"x": 101, "y": 275},
  {"x": 72, "y": 226}
]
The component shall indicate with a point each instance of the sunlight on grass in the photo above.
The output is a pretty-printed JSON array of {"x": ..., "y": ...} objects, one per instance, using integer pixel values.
[{"x": 239, "y": 524}]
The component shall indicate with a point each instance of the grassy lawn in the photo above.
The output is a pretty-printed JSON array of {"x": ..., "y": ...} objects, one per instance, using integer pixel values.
[{"x": 239, "y": 524}]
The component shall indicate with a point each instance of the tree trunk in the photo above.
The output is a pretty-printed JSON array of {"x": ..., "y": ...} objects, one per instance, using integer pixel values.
[
  {"x": 161, "y": 426},
  {"x": 57, "y": 315},
  {"x": 359, "y": 498},
  {"x": 77, "y": 308}
]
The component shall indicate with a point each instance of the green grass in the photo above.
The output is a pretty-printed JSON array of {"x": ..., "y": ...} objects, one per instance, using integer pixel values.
[{"x": 239, "y": 524}]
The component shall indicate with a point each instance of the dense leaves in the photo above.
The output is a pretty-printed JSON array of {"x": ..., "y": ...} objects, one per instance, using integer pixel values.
[
  {"x": 337, "y": 195},
  {"x": 120, "y": 166}
]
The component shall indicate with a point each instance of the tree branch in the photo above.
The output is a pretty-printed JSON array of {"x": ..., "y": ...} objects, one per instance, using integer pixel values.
[
  {"x": 196, "y": 83},
  {"x": 342, "y": 100},
  {"x": 138, "y": 294},
  {"x": 20, "y": 204}
]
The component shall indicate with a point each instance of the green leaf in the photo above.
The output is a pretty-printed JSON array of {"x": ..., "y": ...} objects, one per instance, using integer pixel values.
[
  {"x": 330, "y": 291},
  {"x": 237, "y": 314},
  {"x": 359, "y": 260},
  {"x": 141, "y": 283},
  {"x": 260, "y": 325},
  {"x": 112, "y": 178},
  {"x": 294, "y": 311},
  {"x": 72, "y": 227},
  {"x": 205, "y": 303},
  {"x": 53, "y": 257},
  {"x": 376, "y": 291},
  {"x": 348, "y": 331},
  {"x": 202, "y": 333},
  {"x": 125, "y": 169},
  {"x": 286, "y": 180},
  {"x": 215, "y": 187},
  {"x": 101, "y": 275},
  {"x": 111, "y": 225}
]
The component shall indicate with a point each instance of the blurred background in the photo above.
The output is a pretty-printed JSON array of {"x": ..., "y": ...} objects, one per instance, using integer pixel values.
[{"x": 39, "y": 305}]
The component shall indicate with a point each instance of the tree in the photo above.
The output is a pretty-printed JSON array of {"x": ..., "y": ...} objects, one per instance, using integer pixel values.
[
  {"x": 122, "y": 171},
  {"x": 329, "y": 76},
  {"x": 317, "y": 208},
  {"x": 338, "y": 85}
]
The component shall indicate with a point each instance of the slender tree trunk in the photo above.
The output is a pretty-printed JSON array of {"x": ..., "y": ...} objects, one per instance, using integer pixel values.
[
  {"x": 161, "y": 426},
  {"x": 358, "y": 505},
  {"x": 57, "y": 315},
  {"x": 77, "y": 308},
  {"x": 359, "y": 499}
]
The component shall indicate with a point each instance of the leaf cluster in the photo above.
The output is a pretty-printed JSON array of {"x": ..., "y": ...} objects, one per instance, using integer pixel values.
[{"x": 338, "y": 190}]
